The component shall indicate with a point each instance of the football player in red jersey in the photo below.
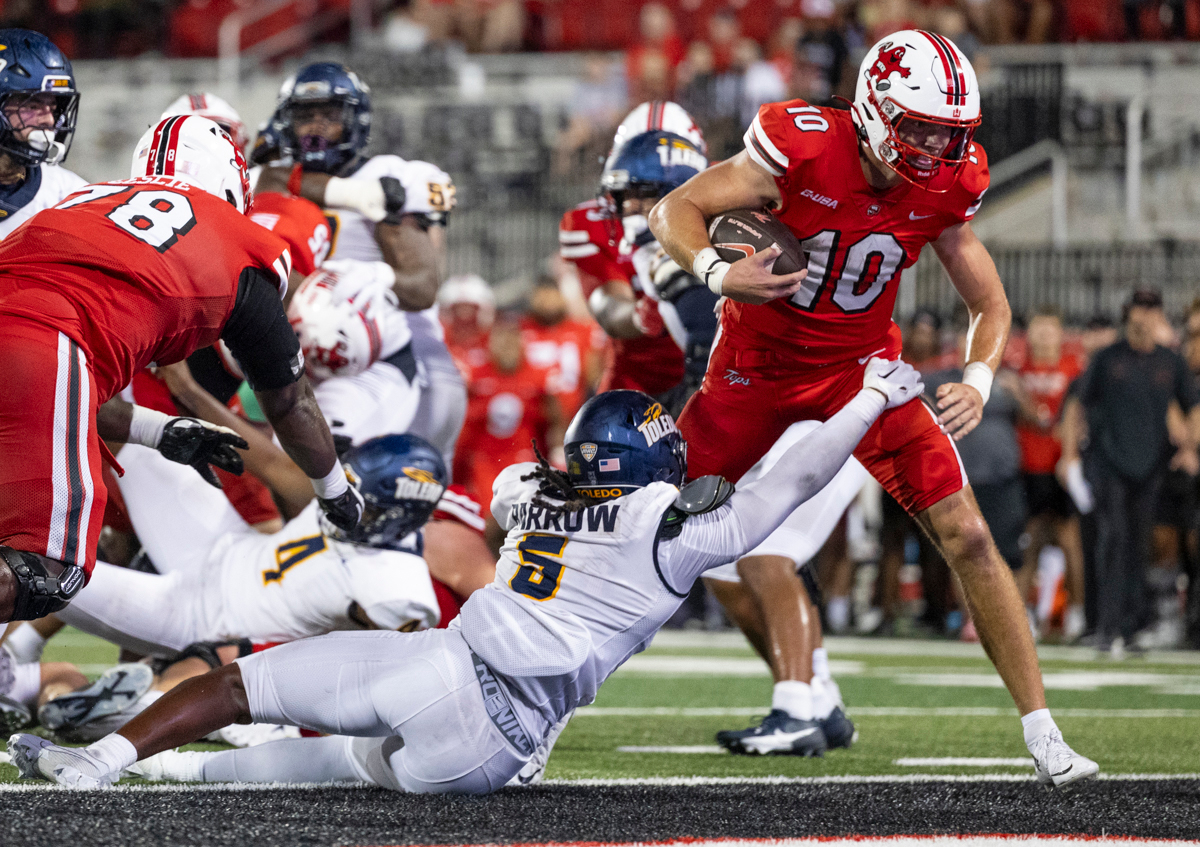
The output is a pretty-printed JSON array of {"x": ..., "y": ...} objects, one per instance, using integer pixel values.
[
  {"x": 864, "y": 191},
  {"x": 1045, "y": 376},
  {"x": 644, "y": 357},
  {"x": 117, "y": 276}
]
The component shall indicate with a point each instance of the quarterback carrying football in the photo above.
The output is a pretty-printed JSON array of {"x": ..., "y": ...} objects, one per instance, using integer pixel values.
[{"x": 863, "y": 191}]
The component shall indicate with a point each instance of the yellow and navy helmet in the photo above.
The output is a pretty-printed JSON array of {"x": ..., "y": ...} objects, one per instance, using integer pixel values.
[
  {"x": 620, "y": 441},
  {"x": 401, "y": 479},
  {"x": 32, "y": 68}
]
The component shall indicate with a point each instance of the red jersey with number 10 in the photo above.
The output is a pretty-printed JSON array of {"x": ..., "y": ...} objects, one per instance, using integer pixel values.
[
  {"x": 136, "y": 271},
  {"x": 858, "y": 240}
]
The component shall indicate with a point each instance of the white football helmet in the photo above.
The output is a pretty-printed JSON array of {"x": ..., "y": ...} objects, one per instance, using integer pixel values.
[
  {"x": 469, "y": 288},
  {"x": 652, "y": 115},
  {"x": 216, "y": 110},
  {"x": 194, "y": 150},
  {"x": 917, "y": 107},
  {"x": 339, "y": 336}
]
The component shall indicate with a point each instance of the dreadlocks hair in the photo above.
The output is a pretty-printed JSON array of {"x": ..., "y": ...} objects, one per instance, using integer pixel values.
[{"x": 556, "y": 484}]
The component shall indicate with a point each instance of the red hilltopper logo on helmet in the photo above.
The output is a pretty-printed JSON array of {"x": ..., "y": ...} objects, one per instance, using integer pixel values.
[{"x": 889, "y": 62}]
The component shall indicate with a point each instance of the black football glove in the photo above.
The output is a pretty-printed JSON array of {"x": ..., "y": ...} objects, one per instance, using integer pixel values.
[
  {"x": 189, "y": 441},
  {"x": 345, "y": 510},
  {"x": 394, "y": 196}
]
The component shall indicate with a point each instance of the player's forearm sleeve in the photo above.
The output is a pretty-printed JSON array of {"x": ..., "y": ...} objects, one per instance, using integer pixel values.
[
  {"x": 260, "y": 337},
  {"x": 757, "y": 510}
]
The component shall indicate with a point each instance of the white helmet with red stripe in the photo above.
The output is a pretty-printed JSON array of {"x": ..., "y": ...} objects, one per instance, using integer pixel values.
[
  {"x": 917, "y": 107},
  {"x": 653, "y": 115},
  {"x": 340, "y": 336},
  {"x": 216, "y": 110},
  {"x": 197, "y": 151}
]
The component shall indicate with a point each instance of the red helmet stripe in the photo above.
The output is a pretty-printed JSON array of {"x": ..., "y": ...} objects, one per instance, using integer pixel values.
[
  {"x": 657, "y": 107},
  {"x": 199, "y": 102},
  {"x": 956, "y": 84},
  {"x": 166, "y": 136}
]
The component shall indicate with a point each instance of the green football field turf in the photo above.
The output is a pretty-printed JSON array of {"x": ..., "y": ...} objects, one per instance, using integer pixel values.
[{"x": 910, "y": 699}]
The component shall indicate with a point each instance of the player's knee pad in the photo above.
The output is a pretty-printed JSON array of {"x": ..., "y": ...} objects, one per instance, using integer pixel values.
[
  {"x": 44, "y": 585},
  {"x": 811, "y": 585},
  {"x": 207, "y": 651}
]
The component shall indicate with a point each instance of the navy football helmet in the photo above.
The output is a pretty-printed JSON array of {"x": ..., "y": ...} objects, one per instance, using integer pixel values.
[
  {"x": 620, "y": 441},
  {"x": 401, "y": 479},
  {"x": 650, "y": 165},
  {"x": 322, "y": 84},
  {"x": 34, "y": 75}
]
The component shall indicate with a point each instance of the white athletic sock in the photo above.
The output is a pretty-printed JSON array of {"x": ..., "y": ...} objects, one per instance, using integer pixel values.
[
  {"x": 291, "y": 760},
  {"x": 1037, "y": 723},
  {"x": 820, "y": 662},
  {"x": 27, "y": 683},
  {"x": 795, "y": 698},
  {"x": 113, "y": 752},
  {"x": 26, "y": 644},
  {"x": 823, "y": 699}
]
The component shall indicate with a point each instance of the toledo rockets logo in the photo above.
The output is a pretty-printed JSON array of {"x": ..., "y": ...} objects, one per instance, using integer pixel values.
[{"x": 889, "y": 63}]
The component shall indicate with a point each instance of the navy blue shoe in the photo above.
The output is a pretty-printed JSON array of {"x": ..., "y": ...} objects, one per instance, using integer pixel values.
[
  {"x": 778, "y": 734},
  {"x": 839, "y": 730}
]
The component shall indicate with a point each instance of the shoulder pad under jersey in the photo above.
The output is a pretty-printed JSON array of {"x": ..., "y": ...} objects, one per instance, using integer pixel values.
[
  {"x": 697, "y": 497},
  {"x": 703, "y": 495}
]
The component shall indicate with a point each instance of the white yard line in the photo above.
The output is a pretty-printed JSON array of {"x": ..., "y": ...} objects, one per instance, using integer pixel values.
[
  {"x": 843, "y": 644},
  {"x": 695, "y": 748},
  {"x": 963, "y": 762},
  {"x": 871, "y": 711}
]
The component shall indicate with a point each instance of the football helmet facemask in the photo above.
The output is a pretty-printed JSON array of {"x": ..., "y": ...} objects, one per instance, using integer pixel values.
[
  {"x": 322, "y": 92},
  {"x": 37, "y": 89},
  {"x": 917, "y": 107},
  {"x": 197, "y": 151}
]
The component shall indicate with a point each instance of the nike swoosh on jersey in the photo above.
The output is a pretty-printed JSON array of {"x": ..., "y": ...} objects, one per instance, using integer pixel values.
[
  {"x": 913, "y": 216},
  {"x": 867, "y": 357}
]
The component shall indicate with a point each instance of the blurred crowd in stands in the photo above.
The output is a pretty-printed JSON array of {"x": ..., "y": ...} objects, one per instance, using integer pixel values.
[
  {"x": 669, "y": 43},
  {"x": 1085, "y": 465}
]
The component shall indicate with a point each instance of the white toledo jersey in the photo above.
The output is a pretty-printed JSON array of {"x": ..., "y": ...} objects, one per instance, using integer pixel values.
[
  {"x": 295, "y": 583},
  {"x": 45, "y": 186},
  {"x": 574, "y": 595},
  {"x": 428, "y": 190}
]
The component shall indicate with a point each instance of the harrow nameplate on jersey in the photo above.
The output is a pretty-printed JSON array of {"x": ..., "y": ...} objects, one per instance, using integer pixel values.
[{"x": 601, "y": 518}]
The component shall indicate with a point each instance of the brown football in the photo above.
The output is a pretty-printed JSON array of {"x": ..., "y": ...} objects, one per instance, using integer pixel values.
[{"x": 744, "y": 232}]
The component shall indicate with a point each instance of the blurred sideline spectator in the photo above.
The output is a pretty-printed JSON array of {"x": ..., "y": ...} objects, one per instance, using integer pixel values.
[
  {"x": 483, "y": 26},
  {"x": 597, "y": 106},
  {"x": 650, "y": 63},
  {"x": 1126, "y": 392},
  {"x": 467, "y": 308},
  {"x": 571, "y": 348},
  {"x": 510, "y": 402},
  {"x": 1045, "y": 377}
]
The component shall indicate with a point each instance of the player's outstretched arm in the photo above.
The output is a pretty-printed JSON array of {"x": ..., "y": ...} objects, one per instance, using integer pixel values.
[
  {"x": 680, "y": 223},
  {"x": 412, "y": 254},
  {"x": 757, "y": 510},
  {"x": 971, "y": 269}
]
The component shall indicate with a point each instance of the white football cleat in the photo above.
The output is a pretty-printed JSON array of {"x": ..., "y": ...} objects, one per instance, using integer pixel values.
[
  {"x": 117, "y": 691},
  {"x": 37, "y": 758},
  {"x": 1057, "y": 765},
  {"x": 171, "y": 765}
]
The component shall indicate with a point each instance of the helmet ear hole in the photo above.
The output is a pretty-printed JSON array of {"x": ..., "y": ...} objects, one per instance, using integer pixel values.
[{"x": 229, "y": 196}]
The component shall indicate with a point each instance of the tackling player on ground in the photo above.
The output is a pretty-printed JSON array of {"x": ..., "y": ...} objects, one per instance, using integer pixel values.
[
  {"x": 596, "y": 560},
  {"x": 864, "y": 191}
]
